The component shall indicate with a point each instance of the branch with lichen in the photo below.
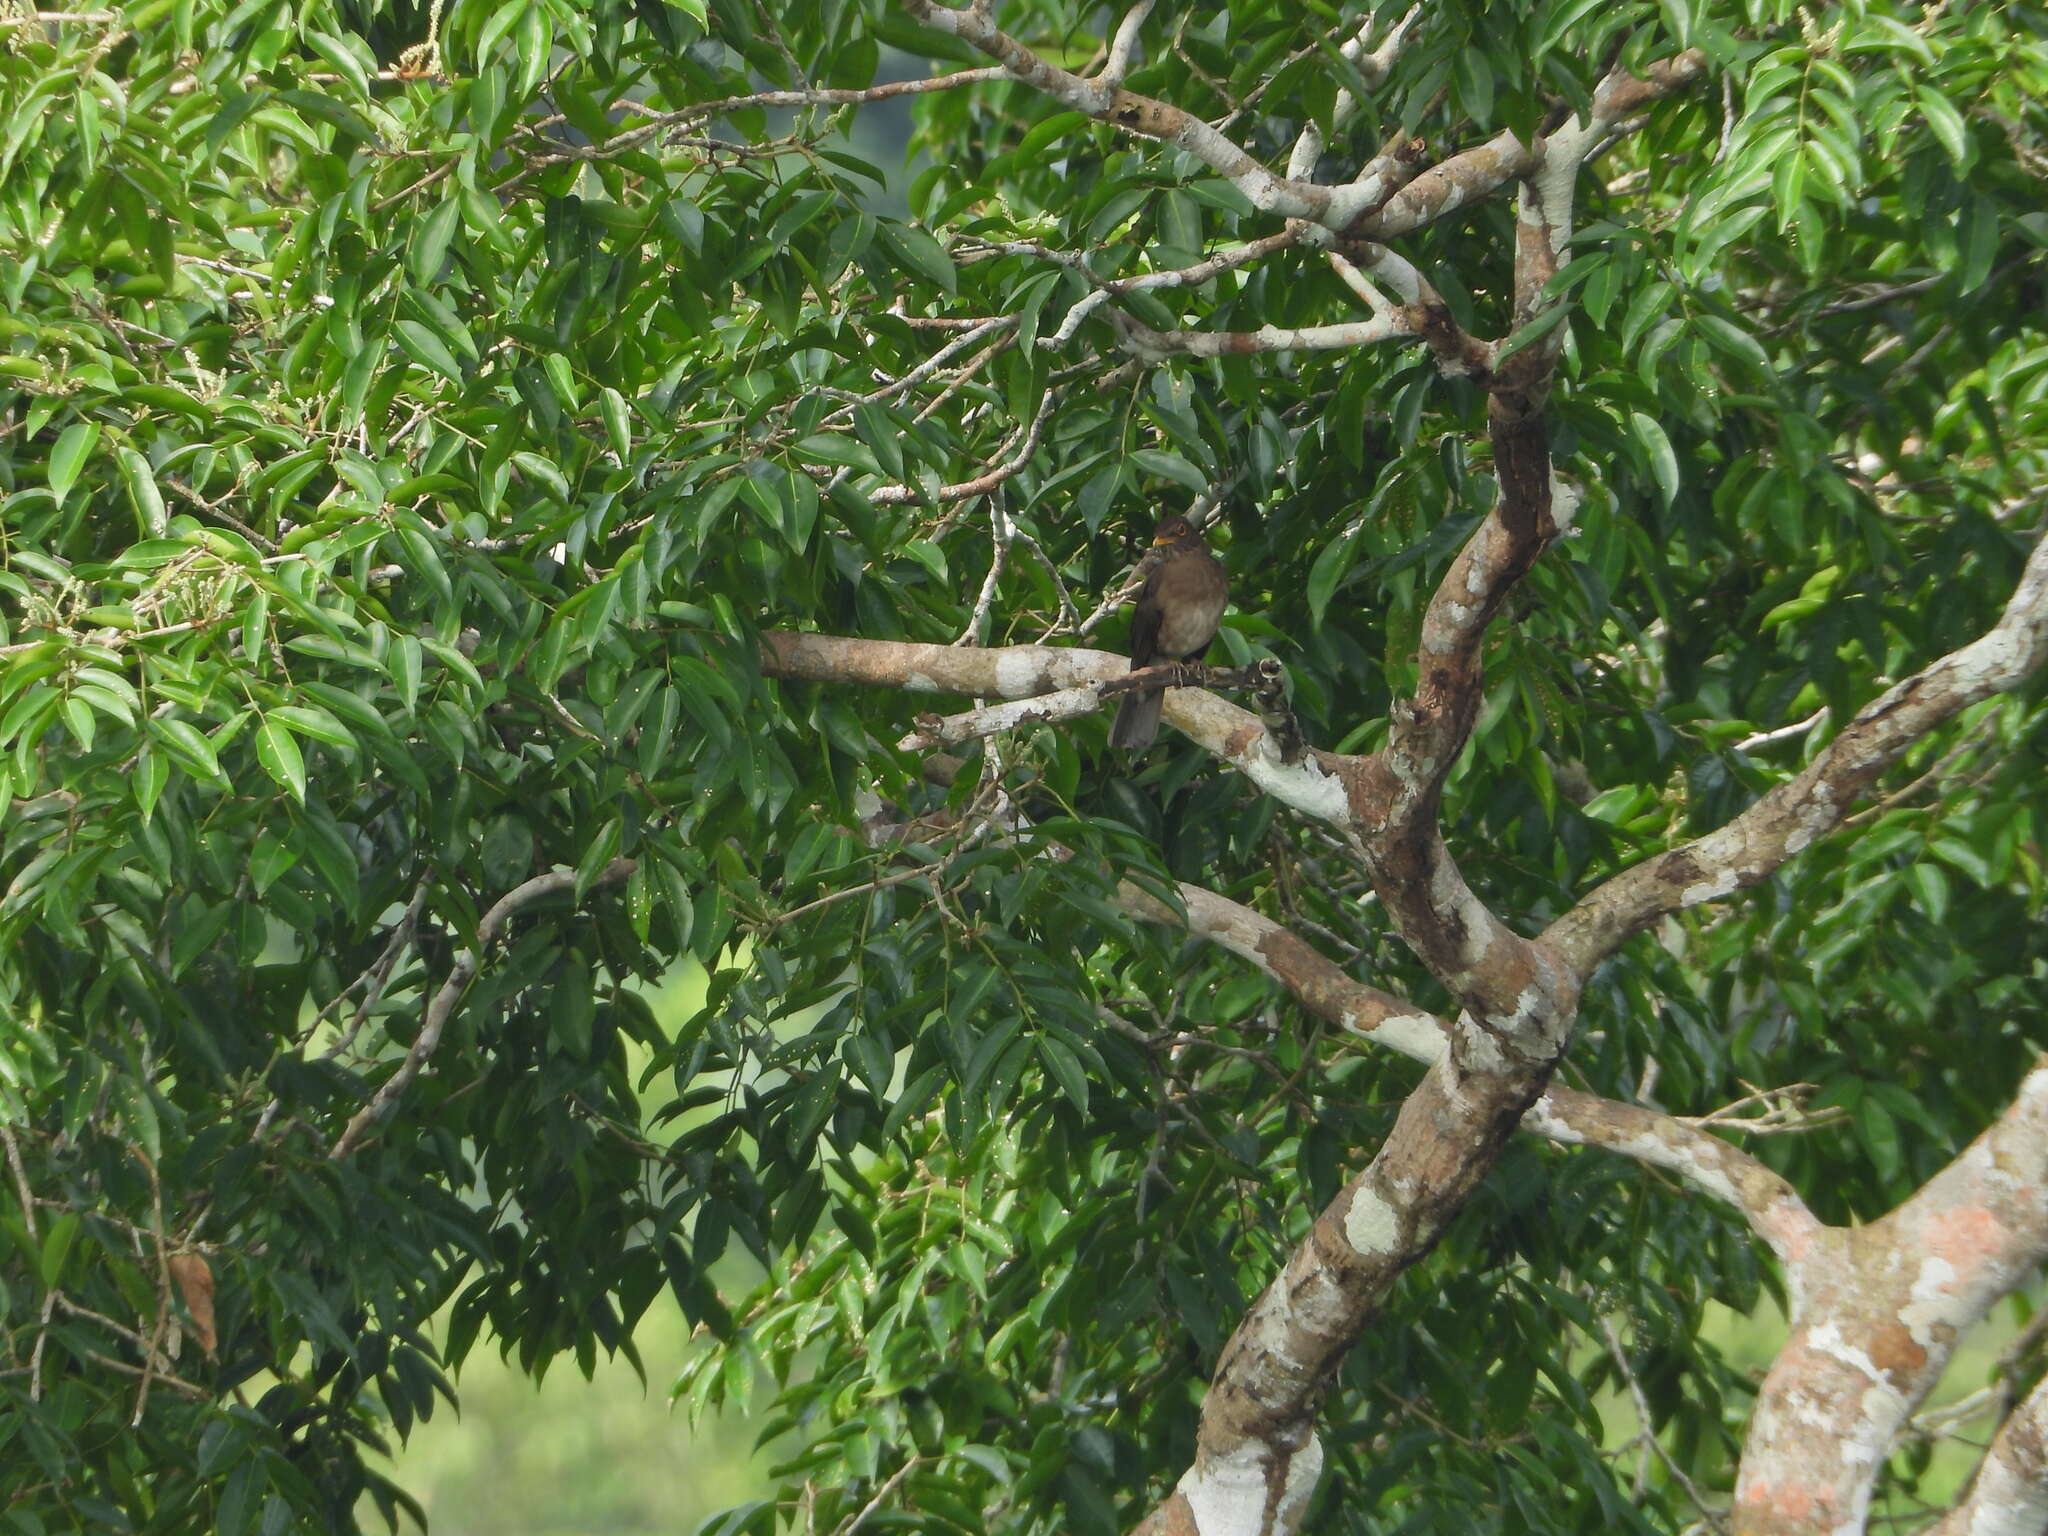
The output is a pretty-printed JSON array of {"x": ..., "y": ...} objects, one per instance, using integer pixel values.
[{"x": 1817, "y": 800}]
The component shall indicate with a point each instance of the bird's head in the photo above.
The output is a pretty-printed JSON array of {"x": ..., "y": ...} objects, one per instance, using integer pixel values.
[{"x": 1171, "y": 531}]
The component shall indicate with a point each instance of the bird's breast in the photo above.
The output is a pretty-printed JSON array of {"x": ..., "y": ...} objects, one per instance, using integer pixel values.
[{"x": 1186, "y": 628}]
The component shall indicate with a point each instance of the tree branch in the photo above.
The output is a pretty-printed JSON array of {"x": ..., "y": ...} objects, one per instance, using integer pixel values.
[
  {"x": 2008, "y": 1496},
  {"x": 1071, "y": 703},
  {"x": 1807, "y": 807},
  {"x": 1108, "y": 289},
  {"x": 1877, "y": 1313},
  {"x": 1710, "y": 1165},
  {"x": 1120, "y": 47},
  {"x": 1372, "y": 68},
  {"x": 1258, "y": 1458},
  {"x": 1156, "y": 346},
  {"x": 1382, "y": 201},
  {"x": 1479, "y": 172},
  {"x": 1320, "y": 784},
  {"x": 442, "y": 1007},
  {"x": 1771, "y": 1206},
  {"x": 1465, "y": 945}
]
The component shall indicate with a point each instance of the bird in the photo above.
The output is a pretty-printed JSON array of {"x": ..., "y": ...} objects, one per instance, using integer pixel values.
[{"x": 1179, "y": 607}]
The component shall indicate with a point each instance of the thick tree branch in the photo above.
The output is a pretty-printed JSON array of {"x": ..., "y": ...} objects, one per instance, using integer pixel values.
[
  {"x": 1257, "y": 1457},
  {"x": 1877, "y": 1312},
  {"x": 1565, "y": 1115},
  {"x": 1069, "y": 703},
  {"x": 1466, "y": 946},
  {"x": 1468, "y": 177},
  {"x": 1479, "y": 172},
  {"x": 1320, "y": 784},
  {"x": 1766, "y": 1201},
  {"x": 1771, "y": 1206},
  {"x": 1493, "y": 971},
  {"x": 1002, "y": 672},
  {"x": 1317, "y": 983},
  {"x": 2008, "y": 1496},
  {"x": 1382, "y": 201},
  {"x": 1156, "y": 346},
  {"x": 1807, "y": 807},
  {"x": 1459, "y": 354}
]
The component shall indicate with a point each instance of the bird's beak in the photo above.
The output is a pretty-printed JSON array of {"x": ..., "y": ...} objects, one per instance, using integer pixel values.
[{"x": 1160, "y": 541}]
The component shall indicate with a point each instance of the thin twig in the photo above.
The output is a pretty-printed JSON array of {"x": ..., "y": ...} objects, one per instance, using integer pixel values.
[
  {"x": 155, "y": 1348},
  {"x": 151, "y": 1376},
  {"x": 903, "y": 495},
  {"x": 442, "y": 1007},
  {"x": 1648, "y": 1421},
  {"x": 1783, "y": 732},
  {"x": 1003, "y": 531},
  {"x": 853, "y": 1523}
]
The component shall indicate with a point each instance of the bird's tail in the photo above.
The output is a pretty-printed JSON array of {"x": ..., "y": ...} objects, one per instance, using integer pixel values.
[{"x": 1137, "y": 720}]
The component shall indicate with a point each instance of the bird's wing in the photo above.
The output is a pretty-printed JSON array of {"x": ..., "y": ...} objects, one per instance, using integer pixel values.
[{"x": 1145, "y": 622}]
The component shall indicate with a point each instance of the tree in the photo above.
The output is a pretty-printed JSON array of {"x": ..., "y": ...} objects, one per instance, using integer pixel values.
[{"x": 491, "y": 491}]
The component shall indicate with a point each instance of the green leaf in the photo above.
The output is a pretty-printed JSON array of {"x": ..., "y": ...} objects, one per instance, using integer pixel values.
[
  {"x": 1649, "y": 433},
  {"x": 1930, "y": 889},
  {"x": 1725, "y": 336},
  {"x": 338, "y": 52},
  {"x": 1066, "y": 1069},
  {"x": 57, "y": 1248},
  {"x": 316, "y": 723},
  {"x": 617, "y": 422},
  {"x": 572, "y": 1011},
  {"x": 1533, "y": 332},
  {"x": 534, "y": 47},
  {"x": 915, "y": 249},
  {"x": 1879, "y": 1132},
  {"x": 1947, "y": 126},
  {"x": 280, "y": 757},
  {"x": 1332, "y": 565},
  {"x": 1646, "y": 308},
  {"x": 152, "y": 772},
  {"x": 142, "y": 492},
  {"x": 188, "y": 745},
  {"x": 270, "y": 856},
  {"x": 430, "y": 243},
  {"x": 78, "y": 715},
  {"x": 74, "y": 447},
  {"x": 563, "y": 377},
  {"x": 406, "y": 654},
  {"x": 1170, "y": 466},
  {"x": 424, "y": 347}
]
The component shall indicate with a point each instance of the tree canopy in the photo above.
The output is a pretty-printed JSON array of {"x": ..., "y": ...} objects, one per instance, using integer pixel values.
[{"x": 494, "y": 494}]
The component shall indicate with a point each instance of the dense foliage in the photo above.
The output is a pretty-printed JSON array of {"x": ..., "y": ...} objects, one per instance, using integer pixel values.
[{"x": 408, "y": 425}]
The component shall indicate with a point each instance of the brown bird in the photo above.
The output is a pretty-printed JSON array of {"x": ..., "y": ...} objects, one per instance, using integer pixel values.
[{"x": 1179, "y": 607}]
